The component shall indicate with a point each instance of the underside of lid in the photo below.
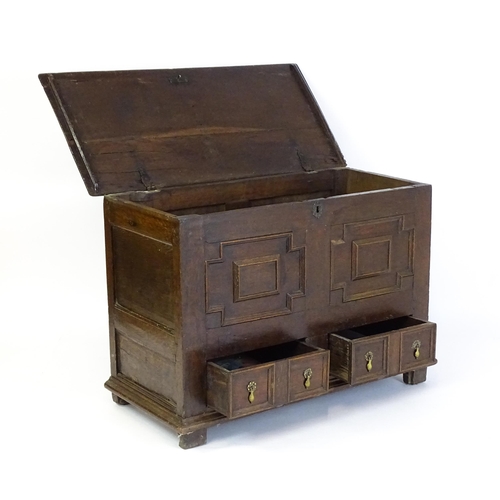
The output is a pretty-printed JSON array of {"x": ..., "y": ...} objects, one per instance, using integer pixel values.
[{"x": 147, "y": 130}]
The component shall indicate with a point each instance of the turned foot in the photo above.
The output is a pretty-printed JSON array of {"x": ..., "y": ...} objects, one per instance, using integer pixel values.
[
  {"x": 119, "y": 401},
  {"x": 193, "y": 439},
  {"x": 415, "y": 377}
]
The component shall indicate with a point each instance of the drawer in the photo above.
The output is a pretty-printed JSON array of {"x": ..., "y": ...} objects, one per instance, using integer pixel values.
[
  {"x": 257, "y": 380},
  {"x": 356, "y": 358},
  {"x": 418, "y": 345},
  {"x": 379, "y": 350},
  {"x": 308, "y": 373}
]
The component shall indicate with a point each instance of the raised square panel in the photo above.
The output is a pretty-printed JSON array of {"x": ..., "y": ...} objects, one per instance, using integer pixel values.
[
  {"x": 254, "y": 278},
  {"x": 371, "y": 257}
]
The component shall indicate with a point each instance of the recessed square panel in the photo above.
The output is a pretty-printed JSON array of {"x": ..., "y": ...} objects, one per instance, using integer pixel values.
[
  {"x": 255, "y": 278},
  {"x": 371, "y": 257},
  {"x": 143, "y": 285}
]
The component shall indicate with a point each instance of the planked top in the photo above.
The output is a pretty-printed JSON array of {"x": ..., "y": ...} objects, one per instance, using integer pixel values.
[{"x": 150, "y": 129}]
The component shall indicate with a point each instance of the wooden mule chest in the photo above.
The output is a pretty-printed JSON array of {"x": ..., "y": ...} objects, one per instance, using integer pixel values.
[{"x": 247, "y": 266}]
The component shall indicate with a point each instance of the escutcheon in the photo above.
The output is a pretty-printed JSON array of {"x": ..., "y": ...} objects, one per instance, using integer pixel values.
[
  {"x": 369, "y": 359},
  {"x": 251, "y": 388},
  {"x": 307, "y": 377},
  {"x": 416, "y": 348}
]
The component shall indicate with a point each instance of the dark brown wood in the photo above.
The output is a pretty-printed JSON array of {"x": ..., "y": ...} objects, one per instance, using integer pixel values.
[
  {"x": 146, "y": 130},
  {"x": 415, "y": 377},
  {"x": 379, "y": 350},
  {"x": 240, "y": 250},
  {"x": 193, "y": 439},
  {"x": 119, "y": 401},
  {"x": 270, "y": 377}
]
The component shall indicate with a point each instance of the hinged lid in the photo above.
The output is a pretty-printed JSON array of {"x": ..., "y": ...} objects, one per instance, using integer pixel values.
[{"x": 146, "y": 130}]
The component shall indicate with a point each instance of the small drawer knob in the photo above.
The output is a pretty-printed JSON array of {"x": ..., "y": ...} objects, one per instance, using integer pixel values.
[
  {"x": 307, "y": 377},
  {"x": 416, "y": 348},
  {"x": 369, "y": 359},
  {"x": 251, "y": 388}
]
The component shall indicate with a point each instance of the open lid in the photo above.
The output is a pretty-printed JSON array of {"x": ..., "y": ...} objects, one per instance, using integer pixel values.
[{"x": 146, "y": 130}]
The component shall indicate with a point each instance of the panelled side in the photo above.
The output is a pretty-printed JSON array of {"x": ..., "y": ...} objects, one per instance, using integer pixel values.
[{"x": 142, "y": 250}]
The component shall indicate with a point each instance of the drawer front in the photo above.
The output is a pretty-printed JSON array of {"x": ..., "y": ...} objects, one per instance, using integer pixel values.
[
  {"x": 418, "y": 347},
  {"x": 370, "y": 359},
  {"x": 239, "y": 392},
  {"x": 257, "y": 380},
  {"x": 252, "y": 390},
  {"x": 383, "y": 349},
  {"x": 308, "y": 376}
]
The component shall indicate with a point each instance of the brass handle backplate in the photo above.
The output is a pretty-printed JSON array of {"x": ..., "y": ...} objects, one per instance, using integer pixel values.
[
  {"x": 416, "y": 348},
  {"x": 369, "y": 359},
  {"x": 251, "y": 387},
  {"x": 307, "y": 377}
]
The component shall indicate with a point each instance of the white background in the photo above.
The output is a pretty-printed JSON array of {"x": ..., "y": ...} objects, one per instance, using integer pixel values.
[{"x": 410, "y": 89}]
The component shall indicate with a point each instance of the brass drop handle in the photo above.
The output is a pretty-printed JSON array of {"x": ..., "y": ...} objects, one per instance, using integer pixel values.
[
  {"x": 416, "y": 348},
  {"x": 307, "y": 377},
  {"x": 251, "y": 387},
  {"x": 369, "y": 359}
]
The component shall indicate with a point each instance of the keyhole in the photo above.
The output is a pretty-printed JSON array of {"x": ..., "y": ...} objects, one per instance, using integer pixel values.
[{"x": 317, "y": 210}]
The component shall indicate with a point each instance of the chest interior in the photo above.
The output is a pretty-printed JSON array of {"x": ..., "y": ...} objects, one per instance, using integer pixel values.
[{"x": 225, "y": 196}]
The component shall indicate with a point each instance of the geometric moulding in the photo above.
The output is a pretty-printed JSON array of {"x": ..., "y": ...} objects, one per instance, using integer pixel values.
[
  {"x": 254, "y": 278},
  {"x": 371, "y": 258}
]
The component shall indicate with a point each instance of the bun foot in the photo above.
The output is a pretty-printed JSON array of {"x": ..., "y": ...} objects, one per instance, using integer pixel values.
[
  {"x": 193, "y": 439},
  {"x": 415, "y": 377},
  {"x": 119, "y": 401}
]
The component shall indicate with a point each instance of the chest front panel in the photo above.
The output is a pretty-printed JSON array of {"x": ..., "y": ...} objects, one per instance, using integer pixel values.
[{"x": 304, "y": 269}]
